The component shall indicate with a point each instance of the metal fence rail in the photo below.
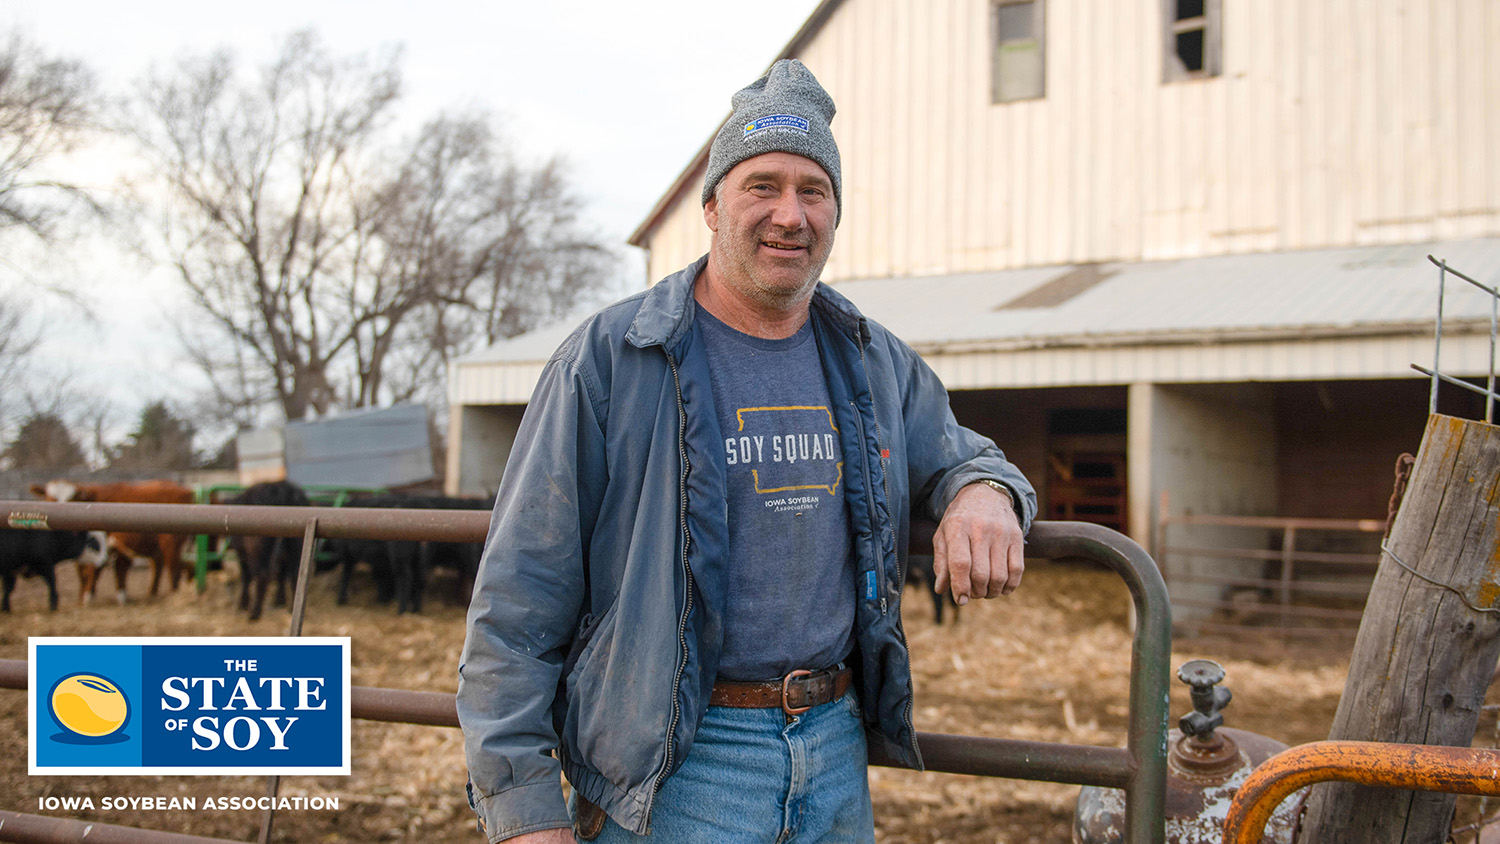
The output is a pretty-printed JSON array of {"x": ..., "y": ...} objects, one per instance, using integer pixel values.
[
  {"x": 1140, "y": 768},
  {"x": 1295, "y": 584},
  {"x": 22, "y": 828}
]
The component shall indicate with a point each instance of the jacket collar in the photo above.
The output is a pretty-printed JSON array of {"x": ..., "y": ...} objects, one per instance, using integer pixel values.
[{"x": 666, "y": 312}]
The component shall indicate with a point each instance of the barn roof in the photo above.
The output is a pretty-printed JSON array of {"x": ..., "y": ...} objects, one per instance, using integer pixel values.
[
  {"x": 1369, "y": 289},
  {"x": 1372, "y": 307}
]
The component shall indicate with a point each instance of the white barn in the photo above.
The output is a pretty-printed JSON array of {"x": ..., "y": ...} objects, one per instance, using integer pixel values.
[{"x": 1170, "y": 254}]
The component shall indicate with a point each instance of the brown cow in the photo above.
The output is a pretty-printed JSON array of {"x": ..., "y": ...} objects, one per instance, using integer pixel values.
[{"x": 163, "y": 549}]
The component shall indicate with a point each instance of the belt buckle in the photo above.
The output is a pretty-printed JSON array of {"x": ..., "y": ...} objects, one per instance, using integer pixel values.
[{"x": 786, "y": 683}]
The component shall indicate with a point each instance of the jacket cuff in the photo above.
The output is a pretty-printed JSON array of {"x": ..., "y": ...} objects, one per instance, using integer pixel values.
[{"x": 525, "y": 808}]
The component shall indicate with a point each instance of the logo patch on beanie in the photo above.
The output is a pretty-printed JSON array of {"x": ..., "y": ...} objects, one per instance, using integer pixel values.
[{"x": 776, "y": 123}]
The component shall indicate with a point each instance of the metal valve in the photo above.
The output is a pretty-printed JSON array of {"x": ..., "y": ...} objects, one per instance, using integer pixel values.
[
  {"x": 1209, "y": 700},
  {"x": 1206, "y": 764}
]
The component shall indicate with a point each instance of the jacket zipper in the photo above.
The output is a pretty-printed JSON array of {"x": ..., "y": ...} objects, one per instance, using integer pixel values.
[
  {"x": 885, "y": 484},
  {"x": 874, "y": 535},
  {"x": 687, "y": 604},
  {"x": 911, "y": 729}
]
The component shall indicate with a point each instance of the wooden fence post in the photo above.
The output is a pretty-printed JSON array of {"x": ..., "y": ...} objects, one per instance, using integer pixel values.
[{"x": 1429, "y": 637}]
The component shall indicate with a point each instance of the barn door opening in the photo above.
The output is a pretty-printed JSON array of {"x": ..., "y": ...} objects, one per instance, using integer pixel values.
[{"x": 1086, "y": 466}]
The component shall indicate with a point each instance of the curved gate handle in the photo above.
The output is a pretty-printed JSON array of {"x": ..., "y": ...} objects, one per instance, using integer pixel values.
[{"x": 1415, "y": 767}]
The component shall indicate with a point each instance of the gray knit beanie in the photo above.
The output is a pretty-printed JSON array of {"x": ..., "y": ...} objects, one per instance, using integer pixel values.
[{"x": 784, "y": 111}]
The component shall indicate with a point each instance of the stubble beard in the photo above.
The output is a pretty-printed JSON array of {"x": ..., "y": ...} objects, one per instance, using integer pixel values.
[{"x": 736, "y": 263}]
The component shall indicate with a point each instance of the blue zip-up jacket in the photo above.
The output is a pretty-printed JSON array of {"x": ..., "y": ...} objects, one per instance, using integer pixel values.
[{"x": 597, "y": 620}]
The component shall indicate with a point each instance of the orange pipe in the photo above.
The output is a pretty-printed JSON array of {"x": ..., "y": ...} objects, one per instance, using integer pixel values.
[{"x": 1415, "y": 767}]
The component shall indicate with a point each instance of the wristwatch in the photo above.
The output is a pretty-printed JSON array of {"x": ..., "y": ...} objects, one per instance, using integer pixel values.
[{"x": 998, "y": 487}]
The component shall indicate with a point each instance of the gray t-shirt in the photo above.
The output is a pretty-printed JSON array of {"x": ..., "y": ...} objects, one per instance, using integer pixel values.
[{"x": 791, "y": 594}]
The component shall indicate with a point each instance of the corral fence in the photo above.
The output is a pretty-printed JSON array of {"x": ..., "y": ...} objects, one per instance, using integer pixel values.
[
  {"x": 1292, "y": 578},
  {"x": 1139, "y": 768}
]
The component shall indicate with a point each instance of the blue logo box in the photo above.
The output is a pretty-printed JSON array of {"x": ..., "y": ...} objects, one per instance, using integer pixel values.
[{"x": 254, "y": 705}]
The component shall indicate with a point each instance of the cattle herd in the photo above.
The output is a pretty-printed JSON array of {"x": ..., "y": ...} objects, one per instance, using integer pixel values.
[{"x": 399, "y": 569}]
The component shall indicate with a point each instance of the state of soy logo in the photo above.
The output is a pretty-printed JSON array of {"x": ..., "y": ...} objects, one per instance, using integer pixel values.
[{"x": 194, "y": 705}]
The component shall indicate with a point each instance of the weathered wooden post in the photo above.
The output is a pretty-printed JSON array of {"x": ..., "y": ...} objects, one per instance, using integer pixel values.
[{"x": 1429, "y": 638}]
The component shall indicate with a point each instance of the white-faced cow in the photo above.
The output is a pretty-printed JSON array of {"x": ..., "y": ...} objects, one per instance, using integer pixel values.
[
  {"x": 164, "y": 550},
  {"x": 37, "y": 552}
]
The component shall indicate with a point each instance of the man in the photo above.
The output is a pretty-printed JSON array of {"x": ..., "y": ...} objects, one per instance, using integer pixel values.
[{"x": 691, "y": 589}]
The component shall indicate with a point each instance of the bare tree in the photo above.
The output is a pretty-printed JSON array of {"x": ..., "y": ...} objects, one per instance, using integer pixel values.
[
  {"x": 543, "y": 263},
  {"x": 17, "y": 340},
  {"x": 469, "y": 247},
  {"x": 261, "y": 221},
  {"x": 325, "y": 254},
  {"x": 47, "y": 106}
]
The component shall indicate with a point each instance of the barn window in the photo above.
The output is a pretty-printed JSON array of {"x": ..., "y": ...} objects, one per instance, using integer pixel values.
[
  {"x": 1018, "y": 70},
  {"x": 1191, "y": 39}
]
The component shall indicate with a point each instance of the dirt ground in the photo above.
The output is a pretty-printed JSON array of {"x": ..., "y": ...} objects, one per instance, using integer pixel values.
[{"x": 1050, "y": 663}]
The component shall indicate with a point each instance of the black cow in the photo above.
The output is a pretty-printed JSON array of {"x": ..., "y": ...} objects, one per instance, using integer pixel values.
[
  {"x": 263, "y": 558},
  {"x": 346, "y": 554},
  {"x": 461, "y": 557},
  {"x": 919, "y": 572},
  {"x": 36, "y": 552},
  {"x": 400, "y": 567}
]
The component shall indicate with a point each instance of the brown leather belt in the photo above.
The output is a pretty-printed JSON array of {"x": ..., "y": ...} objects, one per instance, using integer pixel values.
[{"x": 793, "y": 694}]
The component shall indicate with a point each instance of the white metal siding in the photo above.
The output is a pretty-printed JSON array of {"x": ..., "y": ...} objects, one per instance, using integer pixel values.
[
  {"x": 1338, "y": 122},
  {"x": 481, "y": 383}
]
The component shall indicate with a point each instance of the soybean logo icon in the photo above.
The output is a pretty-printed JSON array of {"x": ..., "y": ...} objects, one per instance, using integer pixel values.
[{"x": 91, "y": 708}]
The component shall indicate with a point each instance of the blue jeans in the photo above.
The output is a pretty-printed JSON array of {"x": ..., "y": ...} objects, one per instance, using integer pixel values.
[{"x": 753, "y": 778}]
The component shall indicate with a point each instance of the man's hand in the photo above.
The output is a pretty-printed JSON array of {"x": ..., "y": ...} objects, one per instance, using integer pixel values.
[
  {"x": 561, "y": 835},
  {"x": 977, "y": 547}
]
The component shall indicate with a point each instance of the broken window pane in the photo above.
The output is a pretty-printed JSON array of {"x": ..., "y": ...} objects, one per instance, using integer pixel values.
[
  {"x": 1192, "y": 39},
  {"x": 1190, "y": 49}
]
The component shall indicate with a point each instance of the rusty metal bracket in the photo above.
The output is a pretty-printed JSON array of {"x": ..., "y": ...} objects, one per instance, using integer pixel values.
[{"x": 1416, "y": 767}]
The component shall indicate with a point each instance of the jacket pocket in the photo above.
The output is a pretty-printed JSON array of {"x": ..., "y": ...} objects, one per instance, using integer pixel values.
[
  {"x": 590, "y": 712},
  {"x": 587, "y": 627}
]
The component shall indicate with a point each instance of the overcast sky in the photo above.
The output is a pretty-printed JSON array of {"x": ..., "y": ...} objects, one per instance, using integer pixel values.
[{"x": 625, "y": 92}]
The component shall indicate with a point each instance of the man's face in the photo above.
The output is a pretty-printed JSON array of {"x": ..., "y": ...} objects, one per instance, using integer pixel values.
[{"x": 773, "y": 218}]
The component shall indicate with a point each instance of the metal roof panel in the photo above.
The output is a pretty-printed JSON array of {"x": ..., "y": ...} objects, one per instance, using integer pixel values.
[{"x": 1318, "y": 290}]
